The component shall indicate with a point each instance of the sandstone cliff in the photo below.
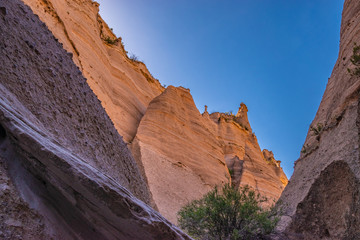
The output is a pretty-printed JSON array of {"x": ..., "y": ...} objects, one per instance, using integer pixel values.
[
  {"x": 65, "y": 172},
  {"x": 322, "y": 198},
  {"x": 181, "y": 153},
  {"x": 124, "y": 86},
  {"x": 184, "y": 154}
]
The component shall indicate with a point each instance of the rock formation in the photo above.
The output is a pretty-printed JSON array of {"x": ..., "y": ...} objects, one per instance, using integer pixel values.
[
  {"x": 181, "y": 153},
  {"x": 65, "y": 172},
  {"x": 181, "y": 157},
  {"x": 124, "y": 86},
  {"x": 322, "y": 198},
  {"x": 243, "y": 156},
  {"x": 184, "y": 154}
]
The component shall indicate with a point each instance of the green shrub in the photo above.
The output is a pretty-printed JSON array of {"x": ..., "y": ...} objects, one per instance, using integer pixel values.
[
  {"x": 110, "y": 40},
  {"x": 228, "y": 214},
  {"x": 303, "y": 150},
  {"x": 355, "y": 59},
  {"x": 317, "y": 130}
]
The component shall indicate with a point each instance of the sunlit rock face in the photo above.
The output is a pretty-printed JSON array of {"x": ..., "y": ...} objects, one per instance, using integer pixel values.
[
  {"x": 181, "y": 157},
  {"x": 125, "y": 87},
  {"x": 322, "y": 198},
  {"x": 181, "y": 153},
  {"x": 65, "y": 172},
  {"x": 184, "y": 154}
]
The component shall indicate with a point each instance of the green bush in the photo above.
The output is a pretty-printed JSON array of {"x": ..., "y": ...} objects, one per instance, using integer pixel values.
[
  {"x": 110, "y": 41},
  {"x": 355, "y": 59},
  {"x": 228, "y": 214},
  {"x": 317, "y": 130},
  {"x": 303, "y": 150}
]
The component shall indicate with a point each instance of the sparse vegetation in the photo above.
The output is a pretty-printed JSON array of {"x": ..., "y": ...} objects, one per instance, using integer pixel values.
[
  {"x": 110, "y": 41},
  {"x": 148, "y": 78},
  {"x": 303, "y": 150},
  {"x": 228, "y": 213},
  {"x": 355, "y": 59},
  {"x": 317, "y": 130},
  {"x": 134, "y": 58}
]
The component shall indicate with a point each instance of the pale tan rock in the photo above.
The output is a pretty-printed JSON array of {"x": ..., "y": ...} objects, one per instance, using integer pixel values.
[
  {"x": 65, "y": 172},
  {"x": 184, "y": 154},
  {"x": 125, "y": 87},
  {"x": 242, "y": 151},
  {"x": 182, "y": 159},
  {"x": 322, "y": 198},
  {"x": 181, "y": 153}
]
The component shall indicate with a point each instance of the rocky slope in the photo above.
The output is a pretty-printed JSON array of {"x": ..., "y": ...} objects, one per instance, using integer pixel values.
[
  {"x": 322, "y": 198},
  {"x": 181, "y": 153},
  {"x": 65, "y": 172}
]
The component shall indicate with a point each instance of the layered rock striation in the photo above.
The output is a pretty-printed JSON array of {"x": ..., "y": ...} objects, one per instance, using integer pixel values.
[
  {"x": 322, "y": 198},
  {"x": 124, "y": 86},
  {"x": 181, "y": 153},
  {"x": 184, "y": 153},
  {"x": 65, "y": 172},
  {"x": 247, "y": 164}
]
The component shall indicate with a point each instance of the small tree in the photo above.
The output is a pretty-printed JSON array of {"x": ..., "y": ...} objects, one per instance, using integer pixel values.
[{"x": 229, "y": 214}]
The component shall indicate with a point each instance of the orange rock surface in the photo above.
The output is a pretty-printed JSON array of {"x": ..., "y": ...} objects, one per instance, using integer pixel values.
[
  {"x": 184, "y": 154},
  {"x": 125, "y": 87},
  {"x": 181, "y": 153}
]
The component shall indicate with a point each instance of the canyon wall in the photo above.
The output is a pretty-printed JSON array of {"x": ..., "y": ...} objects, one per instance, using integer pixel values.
[
  {"x": 181, "y": 153},
  {"x": 322, "y": 198},
  {"x": 124, "y": 86},
  {"x": 185, "y": 154},
  {"x": 65, "y": 172}
]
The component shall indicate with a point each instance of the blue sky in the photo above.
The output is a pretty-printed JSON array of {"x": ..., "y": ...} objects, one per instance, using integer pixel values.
[{"x": 274, "y": 55}]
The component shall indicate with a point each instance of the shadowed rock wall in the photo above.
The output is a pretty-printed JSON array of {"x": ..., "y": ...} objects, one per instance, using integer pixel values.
[
  {"x": 65, "y": 172},
  {"x": 323, "y": 191}
]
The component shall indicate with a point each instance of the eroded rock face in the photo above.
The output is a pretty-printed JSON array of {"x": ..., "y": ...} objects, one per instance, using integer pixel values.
[
  {"x": 125, "y": 87},
  {"x": 331, "y": 208},
  {"x": 243, "y": 155},
  {"x": 332, "y": 142},
  {"x": 18, "y": 220},
  {"x": 184, "y": 154},
  {"x": 65, "y": 172},
  {"x": 182, "y": 159},
  {"x": 181, "y": 154}
]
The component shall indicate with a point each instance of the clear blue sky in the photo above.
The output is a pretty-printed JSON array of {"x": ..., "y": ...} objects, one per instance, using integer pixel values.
[{"x": 274, "y": 55}]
